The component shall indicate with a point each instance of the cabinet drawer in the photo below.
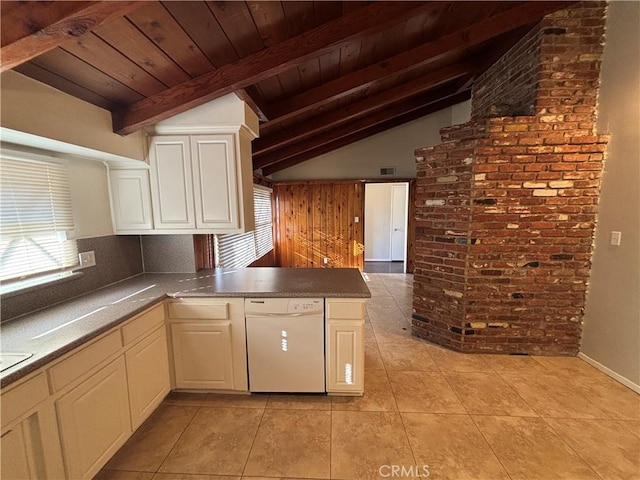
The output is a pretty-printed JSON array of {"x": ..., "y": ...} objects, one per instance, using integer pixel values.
[
  {"x": 81, "y": 362},
  {"x": 352, "y": 310},
  {"x": 218, "y": 310},
  {"x": 19, "y": 400},
  {"x": 145, "y": 323}
]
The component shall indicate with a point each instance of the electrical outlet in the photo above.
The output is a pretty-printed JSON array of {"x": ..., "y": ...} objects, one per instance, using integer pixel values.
[
  {"x": 325, "y": 260},
  {"x": 87, "y": 259},
  {"x": 616, "y": 238}
]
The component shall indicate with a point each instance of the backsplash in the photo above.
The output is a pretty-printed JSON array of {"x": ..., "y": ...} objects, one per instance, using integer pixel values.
[
  {"x": 117, "y": 258},
  {"x": 168, "y": 254}
]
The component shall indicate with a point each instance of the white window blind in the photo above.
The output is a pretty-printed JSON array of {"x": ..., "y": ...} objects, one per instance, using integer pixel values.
[
  {"x": 264, "y": 220},
  {"x": 237, "y": 250},
  {"x": 36, "y": 218}
]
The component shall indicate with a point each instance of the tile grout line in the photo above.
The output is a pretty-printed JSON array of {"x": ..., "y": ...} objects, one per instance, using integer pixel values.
[
  {"x": 475, "y": 424},
  {"x": 255, "y": 435},
  {"x": 179, "y": 436},
  {"x": 442, "y": 373},
  {"x": 586, "y": 462}
]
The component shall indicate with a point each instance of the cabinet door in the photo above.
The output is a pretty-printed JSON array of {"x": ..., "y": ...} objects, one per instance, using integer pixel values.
[
  {"x": 171, "y": 182},
  {"x": 30, "y": 445},
  {"x": 345, "y": 357},
  {"x": 215, "y": 181},
  {"x": 94, "y": 420},
  {"x": 31, "y": 448},
  {"x": 15, "y": 463},
  {"x": 148, "y": 375},
  {"x": 131, "y": 200},
  {"x": 203, "y": 355}
]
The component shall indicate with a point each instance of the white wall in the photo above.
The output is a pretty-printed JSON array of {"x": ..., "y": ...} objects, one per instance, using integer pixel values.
[
  {"x": 90, "y": 198},
  {"x": 611, "y": 333},
  {"x": 35, "y": 108},
  {"x": 394, "y": 147},
  {"x": 55, "y": 121}
]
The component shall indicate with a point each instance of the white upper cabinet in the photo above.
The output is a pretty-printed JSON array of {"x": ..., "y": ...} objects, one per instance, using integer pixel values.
[
  {"x": 171, "y": 182},
  {"x": 214, "y": 176},
  {"x": 131, "y": 200},
  {"x": 200, "y": 177}
]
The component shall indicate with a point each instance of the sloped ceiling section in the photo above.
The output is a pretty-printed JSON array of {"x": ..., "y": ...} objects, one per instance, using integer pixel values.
[{"x": 319, "y": 74}]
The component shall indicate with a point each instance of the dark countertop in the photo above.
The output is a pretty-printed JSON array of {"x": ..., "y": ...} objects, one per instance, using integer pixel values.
[{"x": 54, "y": 331}]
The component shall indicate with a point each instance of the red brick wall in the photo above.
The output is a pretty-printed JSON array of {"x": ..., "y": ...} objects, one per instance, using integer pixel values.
[
  {"x": 509, "y": 86},
  {"x": 554, "y": 69},
  {"x": 506, "y": 206},
  {"x": 443, "y": 218}
]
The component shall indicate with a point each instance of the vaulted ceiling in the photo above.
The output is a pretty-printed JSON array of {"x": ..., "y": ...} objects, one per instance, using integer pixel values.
[{"x": 319, "y": 74}]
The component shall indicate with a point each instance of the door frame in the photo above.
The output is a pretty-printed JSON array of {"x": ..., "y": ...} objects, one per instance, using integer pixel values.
[{"x": 407, "y": 235}]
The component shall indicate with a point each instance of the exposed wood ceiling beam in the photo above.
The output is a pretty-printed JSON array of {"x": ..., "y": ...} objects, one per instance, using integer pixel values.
[
  {"x": 263, "y": 64},
  {"x": 333, "y": 118},
  {"x": 30, "y": 29},
  {"x": 521, "y": 14},
  {"x": 397, "y": 109},
  {"x": 362, "y": 134},
  {"x": 252, "y": 97}
]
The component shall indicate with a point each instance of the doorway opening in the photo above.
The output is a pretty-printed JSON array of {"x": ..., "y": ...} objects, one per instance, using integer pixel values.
[{"x": 385, "y": 227}]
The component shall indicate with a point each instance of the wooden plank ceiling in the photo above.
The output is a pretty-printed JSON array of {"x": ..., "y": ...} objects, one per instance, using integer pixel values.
[{"x": 320, "y": 74}]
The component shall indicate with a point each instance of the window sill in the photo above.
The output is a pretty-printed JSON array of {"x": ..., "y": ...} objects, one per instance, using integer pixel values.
[{"x": 20, "y": 288}]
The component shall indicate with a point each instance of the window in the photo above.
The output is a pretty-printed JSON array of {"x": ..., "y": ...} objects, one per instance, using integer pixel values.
[
  {"x": 237, "y": 250},
  {"x": 36, "y": 218}
]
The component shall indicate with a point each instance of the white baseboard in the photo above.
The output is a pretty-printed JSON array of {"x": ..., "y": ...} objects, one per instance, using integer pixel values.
[{"x": 616, "y": 376}]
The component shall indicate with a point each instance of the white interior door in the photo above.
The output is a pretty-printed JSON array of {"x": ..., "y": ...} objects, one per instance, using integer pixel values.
[
  {"x": 385, "y": 219},
  {"x": 398, "y": 221}
]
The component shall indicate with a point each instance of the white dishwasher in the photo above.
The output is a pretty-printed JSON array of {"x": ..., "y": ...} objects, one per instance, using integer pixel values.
[{"x": 285, "y": 344}]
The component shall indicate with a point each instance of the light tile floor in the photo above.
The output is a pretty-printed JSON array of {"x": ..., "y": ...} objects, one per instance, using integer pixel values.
[{"x": 426, "y": 409}]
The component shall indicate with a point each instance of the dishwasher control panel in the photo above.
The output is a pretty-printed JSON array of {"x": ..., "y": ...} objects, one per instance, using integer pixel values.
[
  {"x": 284, "y": 306},
  {"x": 301, "y": 305}
]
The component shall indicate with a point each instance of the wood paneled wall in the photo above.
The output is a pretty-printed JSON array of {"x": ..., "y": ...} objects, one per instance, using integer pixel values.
[
  {"x": 313, "y": 220},
  {"x": 316, "y": 220}
]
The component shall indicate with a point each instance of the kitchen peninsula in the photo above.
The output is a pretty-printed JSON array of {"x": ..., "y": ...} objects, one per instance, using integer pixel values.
[
  {"x": 54, "y": 331},
  {"x": 101, "y": 363}
]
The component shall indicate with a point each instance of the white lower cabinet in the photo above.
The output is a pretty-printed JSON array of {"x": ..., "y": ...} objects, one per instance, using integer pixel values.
[
  {"x": 208, "y": 343},
  {"x": 147, "y": 375},
  {"x": 15, "y": 456},
  {"x": 94, "y": 420},
  {"x": 29, "y": 445},
  {"x": 202, "y": 355},
  {"x": 344, "y": 346}
]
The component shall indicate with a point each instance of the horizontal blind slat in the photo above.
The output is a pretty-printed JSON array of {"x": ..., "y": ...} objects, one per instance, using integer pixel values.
[
  {"x": 242, "y": 249},
  {"x": 36, "y": 216}
]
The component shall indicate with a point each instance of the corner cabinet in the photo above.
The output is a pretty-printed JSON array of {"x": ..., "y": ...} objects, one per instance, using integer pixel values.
[
  {"x": 202, "y": 183},
  {"x": 344, "y": 338}
]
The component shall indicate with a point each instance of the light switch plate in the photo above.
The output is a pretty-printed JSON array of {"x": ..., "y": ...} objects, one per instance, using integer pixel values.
[{"x": 616, "y": 237}]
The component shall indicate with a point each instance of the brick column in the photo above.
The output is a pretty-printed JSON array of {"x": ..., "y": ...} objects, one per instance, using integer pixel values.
[{"x": 506, "y": 206}]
